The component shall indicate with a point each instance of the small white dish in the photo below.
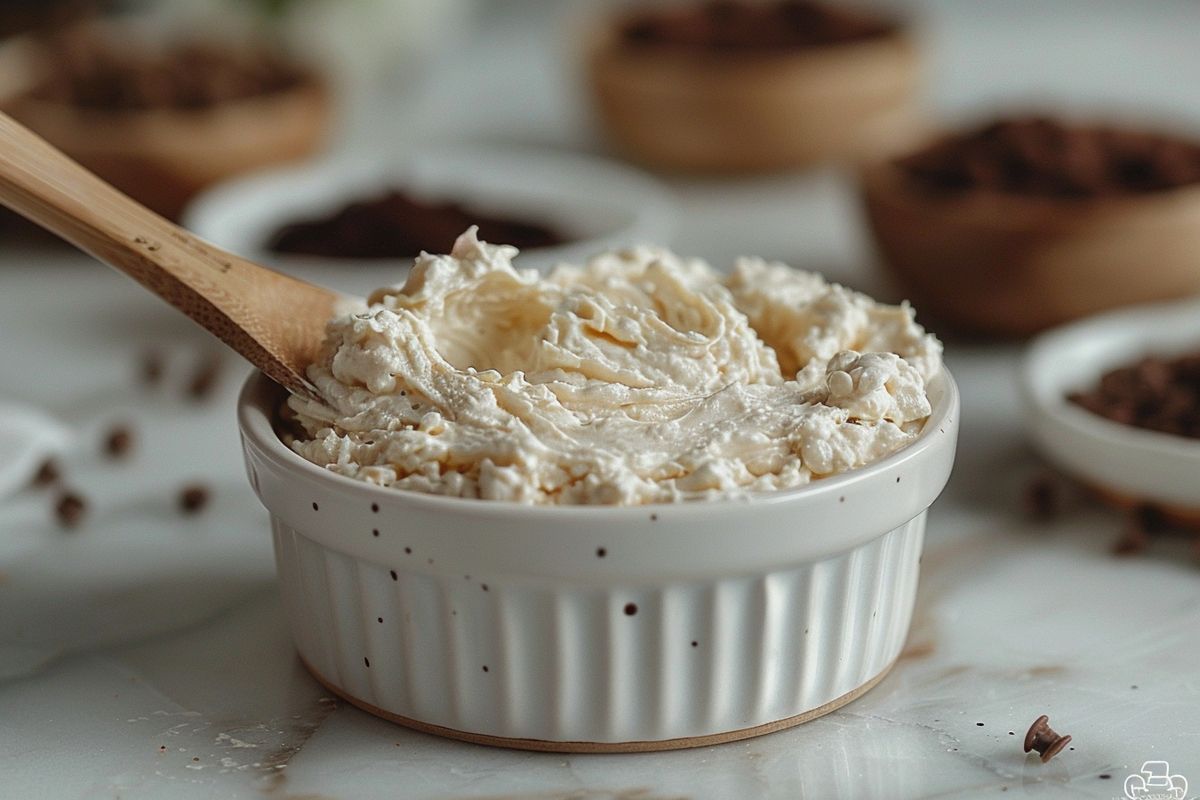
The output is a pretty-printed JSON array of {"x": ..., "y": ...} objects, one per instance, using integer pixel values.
[
  {"x": 594, "y": 629},
  {"x": 599, "y": 204},
  {"x": 1132, "y": 463}
]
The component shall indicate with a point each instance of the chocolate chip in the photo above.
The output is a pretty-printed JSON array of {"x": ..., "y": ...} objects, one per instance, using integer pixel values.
[
  {"x": 93, "y": 70},
  {"x": 193, "y": 498},
  {"x": 1043, "y": 497},
  {"x": 46, "y": 474},
  {"x": 1042, "y": 738},
  {"x": 70, "y": 509},
  {"x": 151, "y": 367},
  {"x": 205, "y": 379},
  {"x": 118, "y": 442}
]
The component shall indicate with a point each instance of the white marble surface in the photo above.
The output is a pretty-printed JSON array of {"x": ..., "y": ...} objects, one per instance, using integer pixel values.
[{"x": 143, "y": 655}]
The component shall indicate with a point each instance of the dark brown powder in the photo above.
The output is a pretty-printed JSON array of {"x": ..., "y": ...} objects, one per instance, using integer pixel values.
[
  {"x": 1040, "y": 156},
  {"x": 738, "y": 26},
  {"x": 397, "y": 225},
  {"x": 93, "y": 71}
]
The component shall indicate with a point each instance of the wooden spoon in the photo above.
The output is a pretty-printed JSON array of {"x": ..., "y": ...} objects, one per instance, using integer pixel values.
[{"x": 275, "y": 321}]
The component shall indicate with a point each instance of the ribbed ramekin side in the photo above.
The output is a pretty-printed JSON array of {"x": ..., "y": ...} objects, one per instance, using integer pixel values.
[{"x": 511, "y": 657}]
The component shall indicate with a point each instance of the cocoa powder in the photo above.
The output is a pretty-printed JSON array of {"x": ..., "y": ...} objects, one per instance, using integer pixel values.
[
  {"x": 741, "y": 26},
  {"x": 397, "y": 225},
  {"x": 1041, "y": 156}
]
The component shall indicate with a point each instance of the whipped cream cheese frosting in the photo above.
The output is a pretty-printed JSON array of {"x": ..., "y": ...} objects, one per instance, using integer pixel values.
[{"x": 641, "y": 377}]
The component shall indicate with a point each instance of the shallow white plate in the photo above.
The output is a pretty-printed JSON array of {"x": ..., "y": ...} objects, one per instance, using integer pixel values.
[
  {"x": 601, "y": 204},
  {"x": 1142, "y": 464}
]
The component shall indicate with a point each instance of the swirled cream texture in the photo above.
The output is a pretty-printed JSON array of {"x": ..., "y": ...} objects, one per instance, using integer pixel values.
[{"x": 641, "y": 377}]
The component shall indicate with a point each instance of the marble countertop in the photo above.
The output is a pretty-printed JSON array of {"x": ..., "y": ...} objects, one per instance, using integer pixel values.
[{"x": 144, "y": 654}]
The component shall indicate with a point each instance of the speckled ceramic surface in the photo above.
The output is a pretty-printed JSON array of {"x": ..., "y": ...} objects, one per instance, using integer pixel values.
[{"x": 609, "y": 628}]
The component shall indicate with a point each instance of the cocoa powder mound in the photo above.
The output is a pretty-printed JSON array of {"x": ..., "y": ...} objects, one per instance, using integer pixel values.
[
  {"x": 741, "y": 26},
  {"x": 1041, "y": 156}
]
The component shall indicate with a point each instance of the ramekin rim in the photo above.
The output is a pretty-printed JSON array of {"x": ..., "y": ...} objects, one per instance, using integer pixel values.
[{"x": 254, "y": 421}]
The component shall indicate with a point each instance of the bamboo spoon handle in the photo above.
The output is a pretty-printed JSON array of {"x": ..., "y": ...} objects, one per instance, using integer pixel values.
[{"x": 275, "y": 321}]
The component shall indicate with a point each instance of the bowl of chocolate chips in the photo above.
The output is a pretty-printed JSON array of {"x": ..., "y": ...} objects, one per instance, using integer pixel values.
[
  {"x": 358, "y": 222},
  {"x": 1114, "y": 401},
  {"x": 1024, "y": 223},
  {"x": 159, "y": 113}
]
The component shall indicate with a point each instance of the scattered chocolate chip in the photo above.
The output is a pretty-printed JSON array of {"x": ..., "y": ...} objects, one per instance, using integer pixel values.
[
  {"x": 1043, "y": 497},
  {"x": 118, "y": 442},
  {"x": 46, "y": 474},
  {"x": 601, "y": 552},
  {"x": 152, "y": 367},
  {"x": 366, "y": 661},
  {"x": 393, "y": 574},
  {"x": 485, "y": 668},
  {"x": 1133, "y": 542},
  {"x": 193, "y": 498},
  {"x": 205, "y": 379},
  {"x": 1143, "y": 521},
  {"x": 1042, "y": 738},
  {"x": 630, "y": 609},
  {"x": 70, "y": 509}
]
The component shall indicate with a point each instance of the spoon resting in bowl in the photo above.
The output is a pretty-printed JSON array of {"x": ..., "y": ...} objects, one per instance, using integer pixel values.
[{"x": 275, "y": 321}]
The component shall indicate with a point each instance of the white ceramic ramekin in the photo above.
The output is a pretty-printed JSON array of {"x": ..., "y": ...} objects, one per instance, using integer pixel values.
[{"x": 599, "y": 628}]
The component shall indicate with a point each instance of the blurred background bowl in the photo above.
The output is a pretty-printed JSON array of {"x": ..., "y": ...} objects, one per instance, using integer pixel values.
[
  {"x": 1129, "y": 465},
  {"x": 596, "y": 204},
  {"x": 163, "y": 155},
  {"x": 714, "y": 111},
  {"x": 1012, "y": 265}
]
